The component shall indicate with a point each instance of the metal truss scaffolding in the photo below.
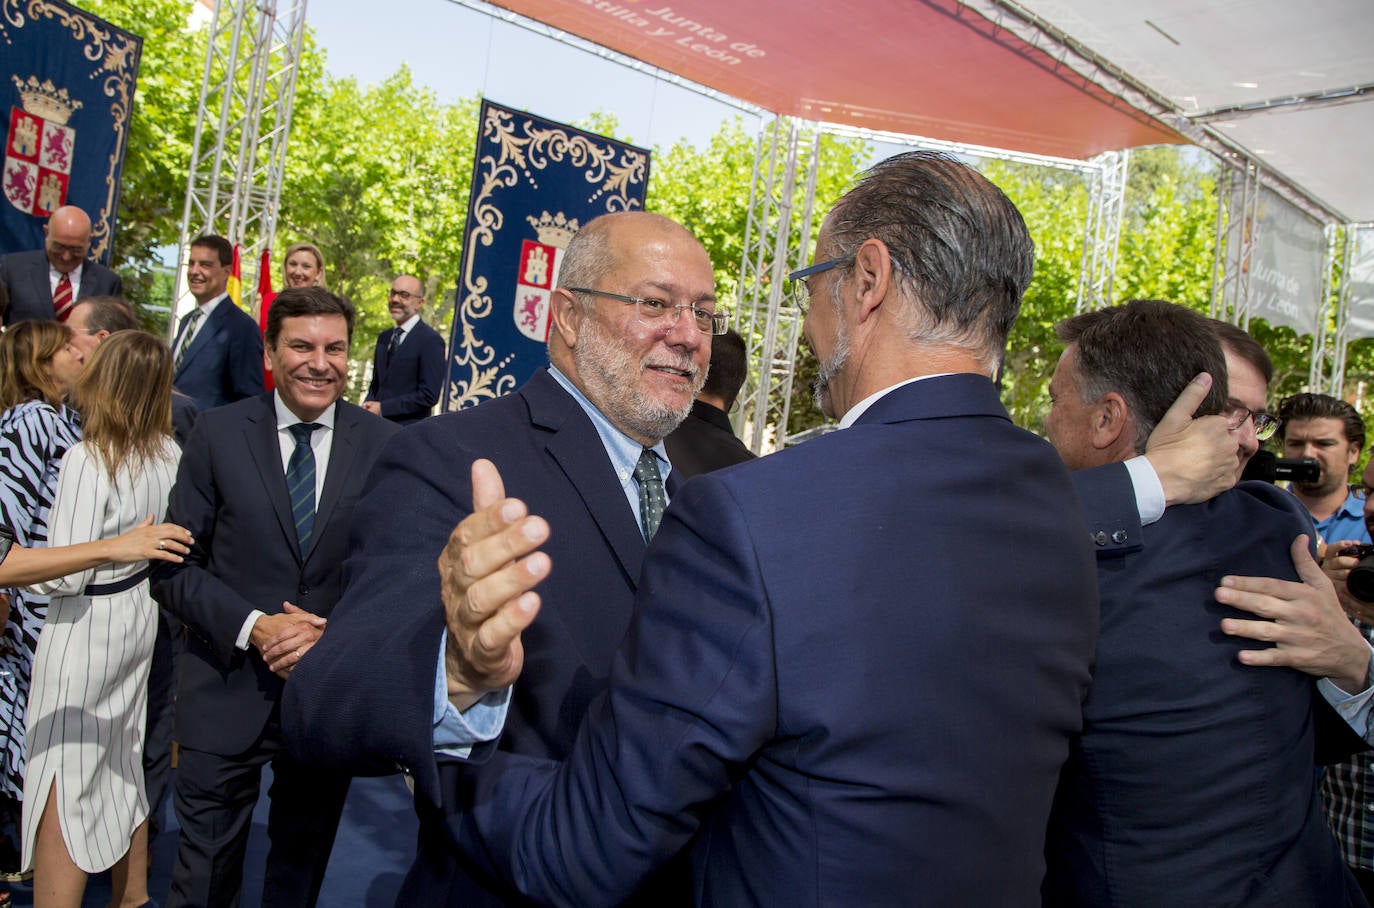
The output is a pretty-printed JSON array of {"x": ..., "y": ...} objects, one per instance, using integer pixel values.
[
  {"x": 1327, "y": 374},
  {"x": 1106, "y": 203},
  {"x": 238, "y": 155},
  {"x": 1237, "y": 207},
  {"x": 777, "y": 237}
]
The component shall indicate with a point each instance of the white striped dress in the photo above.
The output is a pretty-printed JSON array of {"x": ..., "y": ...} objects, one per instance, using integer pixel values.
[{"x": 88, "y": 704}]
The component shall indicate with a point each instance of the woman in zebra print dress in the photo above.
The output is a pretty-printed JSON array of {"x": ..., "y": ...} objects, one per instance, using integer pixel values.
[{"x": 38, "y": 365}]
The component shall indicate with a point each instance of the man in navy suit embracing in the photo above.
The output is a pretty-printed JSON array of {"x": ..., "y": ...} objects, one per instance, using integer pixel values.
[
  {"x": 1193, "y": 781},
  {"x": 855, "y": 666}
]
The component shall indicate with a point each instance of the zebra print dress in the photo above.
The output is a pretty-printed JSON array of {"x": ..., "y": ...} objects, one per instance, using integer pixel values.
[{"x": 33, "y": 439}]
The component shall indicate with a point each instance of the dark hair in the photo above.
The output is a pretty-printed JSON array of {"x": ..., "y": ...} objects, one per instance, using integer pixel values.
[
  {"x": 1322, "y": 406},
  {"x": 108, "y": 313},
  {"x": 217, "y": 243},
  {"x": 955, "y": 239},
  {"x": 1147, "y": 351},
  {"x": 297, "y": 301},
  {"x": 1238, "y": 341},
  {"x": 728, "y": 367}
]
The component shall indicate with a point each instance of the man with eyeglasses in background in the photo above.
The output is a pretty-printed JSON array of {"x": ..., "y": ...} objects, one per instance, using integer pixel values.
[
  {"x": 408, "y": 366},
  {"x": 46, "y": 283},
  {"x": 581, "y": 442}
]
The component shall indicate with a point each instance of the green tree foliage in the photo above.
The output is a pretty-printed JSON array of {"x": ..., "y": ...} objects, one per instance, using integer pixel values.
[
  {"x": 378, "y": 178},
  {"x": 161, "y": 128}
]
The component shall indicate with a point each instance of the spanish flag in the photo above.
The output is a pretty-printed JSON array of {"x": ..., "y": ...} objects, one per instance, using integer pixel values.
[
  {"x": 235, "y": 287},
  {"x": 265, "y": 296}
]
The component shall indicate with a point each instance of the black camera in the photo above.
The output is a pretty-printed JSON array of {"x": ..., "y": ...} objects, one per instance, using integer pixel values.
[
  {"x": 1267, "y": 467},
  {"x": 1360, "y": 582}
]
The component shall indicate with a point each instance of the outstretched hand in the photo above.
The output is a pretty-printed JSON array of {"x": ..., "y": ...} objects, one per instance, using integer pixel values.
[
  {"x": 1303, "y": 620},
  {"x": 146, "y": 542},
  {"x": 488, "y": 571},
  {"x": 1195, "y": 459}
]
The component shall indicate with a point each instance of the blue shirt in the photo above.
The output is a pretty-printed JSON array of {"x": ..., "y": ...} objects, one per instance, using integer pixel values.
[{"x": 1347, "y": 522}]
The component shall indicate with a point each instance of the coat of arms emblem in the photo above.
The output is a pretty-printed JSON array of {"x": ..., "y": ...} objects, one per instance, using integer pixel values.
[
  {"x": 538, "y": 270},
  {"x": 38, "y": 155}
]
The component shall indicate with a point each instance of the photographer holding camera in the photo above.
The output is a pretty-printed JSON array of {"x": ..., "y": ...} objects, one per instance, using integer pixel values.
[{"x": 1331, "y": 431}]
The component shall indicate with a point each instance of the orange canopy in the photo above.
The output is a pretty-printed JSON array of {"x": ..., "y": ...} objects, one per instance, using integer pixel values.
[{"x": 919, "y": 67}]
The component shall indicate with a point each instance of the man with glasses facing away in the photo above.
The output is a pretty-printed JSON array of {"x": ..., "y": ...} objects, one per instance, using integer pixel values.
[
  {"x": 825, "y": 695},
  {"x": 408, "y": 366},
  {"x": 582, "y": 443}
]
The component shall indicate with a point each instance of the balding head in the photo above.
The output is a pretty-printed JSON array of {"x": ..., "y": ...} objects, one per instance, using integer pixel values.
[
  {"x": 639, "y": 364},
  {"x": 68, "y": 238}
]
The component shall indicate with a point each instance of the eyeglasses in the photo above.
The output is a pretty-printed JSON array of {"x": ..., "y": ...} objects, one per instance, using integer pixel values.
[
  {"x": 798, "y": 287},
  {"x": 65, "y": 249},
  {"x": 652, "y": 312},
  {"x": 404, "y": 296},
  {"x": 1265, "y": 424}
]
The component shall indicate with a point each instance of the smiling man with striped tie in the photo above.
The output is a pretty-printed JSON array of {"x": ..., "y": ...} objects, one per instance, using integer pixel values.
[
  {"x": 269, "y": 483},
  {"x": 45, "y": 283}
]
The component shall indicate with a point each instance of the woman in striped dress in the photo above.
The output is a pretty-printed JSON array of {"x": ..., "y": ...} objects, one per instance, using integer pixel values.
[
  {"x": 37, "y": 367},
  {"x": 85, "y": 809}
]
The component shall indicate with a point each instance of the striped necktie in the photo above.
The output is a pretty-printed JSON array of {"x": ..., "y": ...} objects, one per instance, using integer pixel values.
[
  {"x": 62, "y": 298},
  {"x": 652, "y": 498},
  {"x": 300, "y": 482},
  {"x": 188, "y": 329}
]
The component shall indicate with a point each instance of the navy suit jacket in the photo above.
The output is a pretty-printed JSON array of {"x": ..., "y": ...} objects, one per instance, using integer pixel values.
[
  {"x": 366, "y": 707},
  {"x": 1193, "y": 782},
  {"x": 231, "y": 494},
  {"x": 408, "y": 382},
  {"x": 224, "y": 362},
  {"x": 25, "y": 276},
  {"x": 851, "y": 678}
]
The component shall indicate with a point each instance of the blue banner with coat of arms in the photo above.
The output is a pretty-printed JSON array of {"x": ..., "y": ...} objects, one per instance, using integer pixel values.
[
  {"x": 65, "y": 100},
  {"x": 534, "y": 183}
]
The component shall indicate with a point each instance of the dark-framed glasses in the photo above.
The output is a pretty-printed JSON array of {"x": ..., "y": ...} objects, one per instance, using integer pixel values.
[
  {"x": 655, "y": 312},
  {"x": 1266, "y": 424},
  {"x": 404, "y": 296},
  {"x": 797, "y": 284}
]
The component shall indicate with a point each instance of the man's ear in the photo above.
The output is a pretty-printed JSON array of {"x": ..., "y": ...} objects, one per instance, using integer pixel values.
[
  {"x": 565, "y": 315},
  {"x": 872, "y": 275},
  {"x": 1111, "y": 421}
]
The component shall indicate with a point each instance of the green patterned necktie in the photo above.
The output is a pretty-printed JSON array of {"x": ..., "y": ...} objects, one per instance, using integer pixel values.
[{"x": 651, "y": 495}]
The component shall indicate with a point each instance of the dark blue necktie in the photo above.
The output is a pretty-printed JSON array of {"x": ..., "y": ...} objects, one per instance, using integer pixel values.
[{"x": 300, "y": 482}]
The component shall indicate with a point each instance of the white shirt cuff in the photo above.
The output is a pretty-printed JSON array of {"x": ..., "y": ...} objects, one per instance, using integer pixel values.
[
  {"x": 1149, "y": 491},
  {"x": 247, "y": 630}
]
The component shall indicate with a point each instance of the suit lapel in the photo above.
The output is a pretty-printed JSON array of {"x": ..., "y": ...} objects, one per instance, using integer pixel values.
[
  {"x": 265, "y": 448},
  {"x": 202, "y": 340},
  {"x": 341, "y": 454},
  {"x": 578, "y": 450}
]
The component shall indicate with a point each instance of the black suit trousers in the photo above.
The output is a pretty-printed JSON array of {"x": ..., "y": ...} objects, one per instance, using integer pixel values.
[{"x": 213, "y": 796}]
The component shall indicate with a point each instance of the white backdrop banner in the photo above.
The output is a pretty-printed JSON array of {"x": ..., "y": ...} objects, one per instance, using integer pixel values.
[
  {"x": 1287, "y": 265},
  {"x": 1359, "y": 313}
]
